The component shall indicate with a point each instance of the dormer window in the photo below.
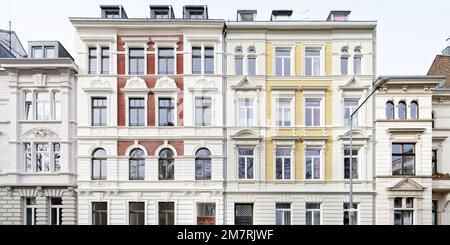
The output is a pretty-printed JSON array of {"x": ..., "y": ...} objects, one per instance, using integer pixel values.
[
  {"x": 246, "y": 15},
  {"x": 161, "y": 12},
  {"x": 195, "y": 12},
  {"x": 112, "y": 14},
  {"x": 281, "y": 15}
]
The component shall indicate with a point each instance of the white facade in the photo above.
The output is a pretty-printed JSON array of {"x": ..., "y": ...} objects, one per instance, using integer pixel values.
[{"x": 38, "y": 134}]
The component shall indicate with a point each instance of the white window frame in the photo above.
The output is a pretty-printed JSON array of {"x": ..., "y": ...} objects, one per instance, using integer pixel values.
[
  {"x": 51, "y": 158},
  {"x": 313, "y": 108},
  {"x": 404, "y": 208},
  {"x": 283, "y": 95},
  {"x": 195, "y": 109},
  {"x": 246, "y": 108},
  {"x": 291, "y": 56},
  {"x": 164, "y": 96},
  {"x": 283, "y": 210},
  {"x": 58, "y": 207},
  {"x": 313, "y": 211},
  {"x": 314, "y": 94},
  {"x": 319, "y": 46},
  {"x": 98, "y": 46},
  {"x": 136, "y": 42},
  {"x": 357, "y": 157},
  {"x": 127, "y": 106},
  {"x": 50, "y": 104},
  {"x": 348, "y": 210},
  {"x": 291, "y": 157},
  {"x": 246, "y": 162},
  {"x": 352, "y": 109},
  {"x": 33, "y": 211}
]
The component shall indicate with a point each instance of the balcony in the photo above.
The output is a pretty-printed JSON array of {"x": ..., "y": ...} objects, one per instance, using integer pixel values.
[{"x": 441, "y": 182}]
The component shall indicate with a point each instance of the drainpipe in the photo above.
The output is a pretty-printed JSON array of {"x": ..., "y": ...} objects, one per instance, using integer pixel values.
[{"x": 224, "y": 122}]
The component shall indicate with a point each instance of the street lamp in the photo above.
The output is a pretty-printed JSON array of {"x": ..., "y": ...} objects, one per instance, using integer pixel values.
[{"x": 378, "y": 83}]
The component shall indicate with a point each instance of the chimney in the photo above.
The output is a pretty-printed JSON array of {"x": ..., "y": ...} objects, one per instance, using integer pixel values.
[
  {"x": 338, "y": 15},
  {"x": 281, "y": 15},
  {"x": 246, "y": 15}
]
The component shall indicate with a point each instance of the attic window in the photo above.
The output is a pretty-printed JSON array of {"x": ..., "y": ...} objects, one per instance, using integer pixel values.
[
  {"x": 112, "y": 14},
  {"x": 161, "y": 14},
  {"x": 196, "y": 14}
]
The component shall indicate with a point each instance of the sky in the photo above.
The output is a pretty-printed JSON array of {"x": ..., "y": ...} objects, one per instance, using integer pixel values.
[{"x": 409, "y": 33}]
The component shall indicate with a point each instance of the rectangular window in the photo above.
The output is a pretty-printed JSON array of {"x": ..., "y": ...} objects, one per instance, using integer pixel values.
[
  {"x": 161, "y": 14},
  {"x": 245, "y": 112},
  {"x": 99, "y": 167},
  {"x": 282, "y": 62},
  {"x": 284, "y": 112},
  {"x": 99, "y": 111},
  {"x": 403, "y": 211},
  {"x": 312, "y": 213},
  {"x": 312, "y": 164},
  {"x": 283, "y": 213},
  {"x": 434, "y": 161},
  {"x": 166, "y": 61},
  {"x": 37, "y": 53},
  {"x": 196, "y": 60},
  {"x": 350, "y": 106},
  {"x": 283, "y": 164},
  {"x": 246, "y": 159},
  {"x": 105, "y": 60},
  {"x": 166, "y": 112},
  {"x": 347, "y": 212},
  {"x": 312, "y": 112},
  {"x": 312, "y": 62},
  {"x": 403, "y": 159},
  {"x": 92, "y": 60},
  {"x": 347, "y": 164},
  {"x": 251, "y": 66},
  {"x": 112, "y": 14},
  {"x": 434, "y": 211},
  {"x": 243, "y": 214},
  {"x": 30, "y": 211},
  {"x": 42, "y": 157},
  {"x": 56, "y": 157},
  {"x": 137, "y": 112},
  {"x": 137, "y": 213},
  {"x": 42, "y": 106},
  {"x": 28, "y": 154},
  {"x": 203, "y": 112},
  {"x": 56, "y": 211},
  {"x": 166, "y": 213},
  {"x": 344, "y": 65},
  {"x": 209, "y": 60},
  {"x": 28, "y": 96},
  {"x": 56, "y": 106},
  {"x": 136, "y": 61},
  {"x": 357, "y": 65},
  {"x": 49, "y": 52},
  {"x": 99, "y": 213},
  {"x": 239, "y": 65},
  {"x": 206, "y": 214}
]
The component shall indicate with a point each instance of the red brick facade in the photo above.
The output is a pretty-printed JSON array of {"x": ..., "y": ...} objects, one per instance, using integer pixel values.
[
  {"x": 150, "y": 146},
  {"x": 151, "y": 59}
]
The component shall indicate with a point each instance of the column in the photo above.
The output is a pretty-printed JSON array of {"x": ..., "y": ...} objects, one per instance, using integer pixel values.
[
  {"x": 42, "y": 210},
  {"x": 69, "y": 212}
]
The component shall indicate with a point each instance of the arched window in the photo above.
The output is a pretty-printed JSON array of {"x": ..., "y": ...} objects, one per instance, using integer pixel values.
[
  {"x": 166, "y": 164},
  {"x": 251, "y": 59},
  {"x": 344, "y": 60},
  {"x": 99, "y": 164},
  {"x": 238, "y": 61},
  {"x": 137, "y": 165},
  {"x": 414, "y": 107},
  {"x": 203, "y": 164},
  {"x": 390, "y": 110},
  {"x": 402, "y": 110}
]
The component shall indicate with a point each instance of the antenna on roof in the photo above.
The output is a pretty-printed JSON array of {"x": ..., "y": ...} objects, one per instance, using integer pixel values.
[{"x": 10, "y": 43}]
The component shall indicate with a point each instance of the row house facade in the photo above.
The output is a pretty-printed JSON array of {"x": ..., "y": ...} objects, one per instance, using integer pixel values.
[
  {"x": 150, "y": 128},
  {"x": 193, "y": 120},
  {"x": 37, "y": 137},
  {"x": 306, "y": 79}
]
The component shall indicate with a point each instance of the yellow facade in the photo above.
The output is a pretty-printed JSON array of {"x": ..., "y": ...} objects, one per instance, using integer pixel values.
[{"x": 298, "y": 130}]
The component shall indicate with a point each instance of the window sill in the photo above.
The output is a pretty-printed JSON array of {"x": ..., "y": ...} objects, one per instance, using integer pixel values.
[{"x": 39, "y": 121}]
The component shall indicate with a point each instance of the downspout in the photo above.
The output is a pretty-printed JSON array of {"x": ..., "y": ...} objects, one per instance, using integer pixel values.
[{"x": 224, "y": 122}]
